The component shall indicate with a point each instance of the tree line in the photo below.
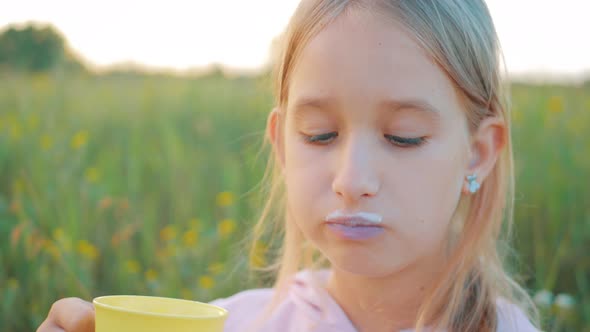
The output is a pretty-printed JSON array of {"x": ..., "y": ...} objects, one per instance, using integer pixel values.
[{"x": 35, "y": 48}]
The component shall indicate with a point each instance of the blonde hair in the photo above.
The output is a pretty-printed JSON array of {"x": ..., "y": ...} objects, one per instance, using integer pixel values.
[{"x": 460, "y": 38}]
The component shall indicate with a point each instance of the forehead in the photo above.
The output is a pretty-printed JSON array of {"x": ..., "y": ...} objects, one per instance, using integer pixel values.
[{"x": 363, "y": 60}]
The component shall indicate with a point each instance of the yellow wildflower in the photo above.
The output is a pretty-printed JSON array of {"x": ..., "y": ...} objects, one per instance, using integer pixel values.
[
  {"x": 226, "y": 227},
  {"x": 555, "y": 104},
  {"x": 58, "y": 234},
  {"x": 215, "y": 268},
  {"x": 79, "y": 140},
  {"x": 132, "y": 266},
  {"x": 225, "y": 198},
  {"x": 206, "y": 282},
  {"x": 92, "y": 175},
  {"x": 12, "y": 283},
  {"x": 46, "y": 142},
  {"x": 151, "y": 275},
  {"x": 258, "y": 255},
  {"x": 52, "y": 249},
  {"x": 15, "y": 131},
  {"x": 18, "y": 186},
  {"x": 190, "y": 237},
  {"x": 168, "y": 233},
  {"x": 87, "y": 249}
]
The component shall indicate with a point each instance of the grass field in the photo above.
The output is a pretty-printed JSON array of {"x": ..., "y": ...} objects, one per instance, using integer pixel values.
[{"x": 146, "y": 184}]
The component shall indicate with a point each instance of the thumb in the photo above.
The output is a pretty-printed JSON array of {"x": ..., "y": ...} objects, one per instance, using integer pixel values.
[{"x": 73, "y": 315}]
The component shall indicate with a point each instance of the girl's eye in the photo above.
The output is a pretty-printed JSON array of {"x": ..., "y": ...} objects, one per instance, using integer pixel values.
[
  {"x": 399, "y": 141},
  {"x": 406, "y": 142},
  {"x": 320, "y": 139}
]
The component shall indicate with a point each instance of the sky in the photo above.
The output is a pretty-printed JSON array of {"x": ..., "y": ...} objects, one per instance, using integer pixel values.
[{"x": 538, "y": 37}]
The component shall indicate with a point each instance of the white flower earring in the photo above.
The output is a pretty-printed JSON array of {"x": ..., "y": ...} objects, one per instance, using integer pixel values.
[{"x": 473, "y": 184}]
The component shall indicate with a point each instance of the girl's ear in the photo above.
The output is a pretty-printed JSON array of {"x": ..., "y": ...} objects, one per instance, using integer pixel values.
[
  {"x": 273, "y": 130},
  {"x": 487, "y": 145}
]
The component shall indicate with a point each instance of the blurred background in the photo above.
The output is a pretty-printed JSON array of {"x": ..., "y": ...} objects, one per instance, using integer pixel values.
[{"x": 130, "y": 149}]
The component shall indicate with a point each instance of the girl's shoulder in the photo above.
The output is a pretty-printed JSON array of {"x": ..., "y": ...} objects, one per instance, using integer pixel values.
[
  {"x": 246, "y": 303},
  {"x": 304, "y": 307},
  {"x": 244, "y": 307},
  {"x": 511, "y": 318},
  {"x": 308, "y": 307}
]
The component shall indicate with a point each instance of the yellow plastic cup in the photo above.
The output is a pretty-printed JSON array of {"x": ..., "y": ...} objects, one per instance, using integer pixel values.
[{"x": 131, "y": 313}]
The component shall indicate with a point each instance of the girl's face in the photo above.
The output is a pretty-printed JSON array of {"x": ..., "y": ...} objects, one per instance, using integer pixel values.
[{"x": 373, "y": 125}]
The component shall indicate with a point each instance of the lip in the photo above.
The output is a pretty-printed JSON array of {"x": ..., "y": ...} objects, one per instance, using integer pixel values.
[
  {"x": 354, "y": 219},
  {"x": 354, "y": 226}
]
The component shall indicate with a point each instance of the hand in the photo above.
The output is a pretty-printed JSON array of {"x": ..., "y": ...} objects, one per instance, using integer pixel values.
[{"x": 69, "y": 315}]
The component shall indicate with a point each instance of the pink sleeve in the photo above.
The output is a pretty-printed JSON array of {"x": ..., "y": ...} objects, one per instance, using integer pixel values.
[
  {"x": 243, "y": 308},
  {"x": 512, "y": 318}
]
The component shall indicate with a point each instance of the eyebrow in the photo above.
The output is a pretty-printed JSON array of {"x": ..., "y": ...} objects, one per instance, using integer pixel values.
[{"x": 392, "y": 105}]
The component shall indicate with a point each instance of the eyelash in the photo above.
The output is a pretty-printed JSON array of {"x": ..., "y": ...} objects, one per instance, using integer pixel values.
[{"x": 402, "y": 142}]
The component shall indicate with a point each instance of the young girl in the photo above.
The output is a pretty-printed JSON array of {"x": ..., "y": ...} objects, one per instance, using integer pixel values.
[{"x": 391, "y": 176}]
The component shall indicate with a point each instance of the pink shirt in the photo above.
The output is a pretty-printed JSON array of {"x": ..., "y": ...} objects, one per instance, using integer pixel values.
[{"x": 309, "y": 308}]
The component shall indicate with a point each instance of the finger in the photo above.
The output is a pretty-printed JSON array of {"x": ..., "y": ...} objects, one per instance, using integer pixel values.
[
  {"x": 73, "y": 315},
  {"x": 48, "y": 326}
]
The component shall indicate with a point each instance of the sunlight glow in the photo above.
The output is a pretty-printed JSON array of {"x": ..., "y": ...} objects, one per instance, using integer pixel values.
[{"x": 538, "y": 36}]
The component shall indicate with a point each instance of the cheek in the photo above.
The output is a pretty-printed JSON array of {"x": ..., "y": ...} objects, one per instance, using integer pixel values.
[
  {"x": 430, "y": 191},
  {"x": 306, "y": 177}
]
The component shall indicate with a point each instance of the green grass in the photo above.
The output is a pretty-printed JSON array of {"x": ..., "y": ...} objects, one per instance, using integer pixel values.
[{"x": 122, "y": 184}]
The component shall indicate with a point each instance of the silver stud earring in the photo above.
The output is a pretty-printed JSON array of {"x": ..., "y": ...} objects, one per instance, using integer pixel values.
[{"x": 473, "y": 185}]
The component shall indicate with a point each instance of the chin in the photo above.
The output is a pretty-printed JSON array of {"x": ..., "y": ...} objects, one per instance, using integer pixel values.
[{"x": 365, "y": 264}]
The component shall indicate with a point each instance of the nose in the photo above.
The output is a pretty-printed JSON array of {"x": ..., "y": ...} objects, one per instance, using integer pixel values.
[{"x": 356, "y": 175}]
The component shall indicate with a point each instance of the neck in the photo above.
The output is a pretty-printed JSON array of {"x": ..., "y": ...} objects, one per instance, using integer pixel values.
[{"x": 362, "y": 297}]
